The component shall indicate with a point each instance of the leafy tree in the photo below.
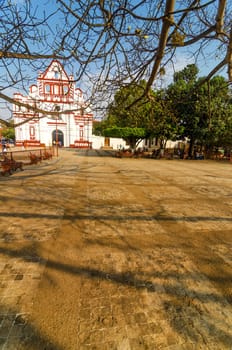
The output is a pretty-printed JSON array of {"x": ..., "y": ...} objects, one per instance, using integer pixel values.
[
  {"x": 163, "y": 124},
  {"x": 8, "y": 133},
  {"x": 182, "y": 97},
  {"x": 128, "y": 123},
  {"x": 131, "y": 135},
  {"x": 188, "y": 74},
  {"x": 225, "y": 135},
  {"x": 202, "y": 108},
  {"x": 190, "y": 108},
  {"x": 214, "y": 106},
  {"x": 154, "y": 116},
  {"x": 98, "y": 127},
  {"x": 119, "y": 111}
]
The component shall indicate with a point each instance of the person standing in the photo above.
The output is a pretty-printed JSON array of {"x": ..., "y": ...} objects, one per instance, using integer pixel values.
[{"x": 4, "y": 149}]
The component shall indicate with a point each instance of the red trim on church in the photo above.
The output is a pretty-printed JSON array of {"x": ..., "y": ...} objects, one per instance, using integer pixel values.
[{"x": 54, "y": 88}]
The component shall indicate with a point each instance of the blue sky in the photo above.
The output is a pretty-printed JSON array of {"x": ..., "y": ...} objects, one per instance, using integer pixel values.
[{"x": 181, "y": 60}]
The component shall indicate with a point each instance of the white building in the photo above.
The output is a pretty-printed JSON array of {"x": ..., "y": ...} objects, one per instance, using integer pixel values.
[{"x": 54, "y": 91}]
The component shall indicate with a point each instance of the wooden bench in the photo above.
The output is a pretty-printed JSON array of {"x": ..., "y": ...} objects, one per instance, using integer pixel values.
[
  {"x": 34, "y": 159},
  {"x": 139, "y": 154},
  {"x": 9, "y": 165},
  {"x": 47, "y": 155},
  {"x": 122, "y": 154},
  {"x": 5, "y": 169}
]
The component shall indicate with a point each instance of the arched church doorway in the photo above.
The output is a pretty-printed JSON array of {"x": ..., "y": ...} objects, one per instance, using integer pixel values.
[{"x": 58, "y": 135}]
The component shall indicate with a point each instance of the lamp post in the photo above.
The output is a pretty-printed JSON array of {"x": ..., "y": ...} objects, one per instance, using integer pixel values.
[
  {"x": 57, "y": 108},
  {"x": 56, "y": 138}
]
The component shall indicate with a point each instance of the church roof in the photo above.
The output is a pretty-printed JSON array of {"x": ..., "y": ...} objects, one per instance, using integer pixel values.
[{"x": 55, "y": 70}]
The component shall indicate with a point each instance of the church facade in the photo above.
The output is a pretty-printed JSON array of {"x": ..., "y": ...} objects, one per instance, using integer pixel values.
[{"x": 55, "y": 91}]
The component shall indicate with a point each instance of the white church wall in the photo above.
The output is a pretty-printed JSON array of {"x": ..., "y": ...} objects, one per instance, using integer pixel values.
[
  {"x": 99, "y": 141},
  {"x": 49, "y": 93},
  {"x": 172, "y": 144}
]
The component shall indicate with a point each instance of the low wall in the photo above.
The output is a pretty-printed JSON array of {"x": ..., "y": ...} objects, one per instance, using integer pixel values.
[{"x": 115, "y": 143}]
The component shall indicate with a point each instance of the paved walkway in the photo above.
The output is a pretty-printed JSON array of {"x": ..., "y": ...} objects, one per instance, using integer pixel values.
[{"x": 105, "y": 253}]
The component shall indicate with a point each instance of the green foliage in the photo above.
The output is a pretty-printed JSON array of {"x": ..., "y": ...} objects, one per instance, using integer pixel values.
[
  {"x": 98, "y": 128},
  {"x": 203, "y": 110},
  {"x": 163, "y": 122},
  {"x": 130, "y": 135},
  {"x": 148, "y": 117},
  {"x": 187, "y": 108},
  {"x": 8, "y": 133},
  {"x": 188, "y": 74},
  {"x": 125, "y": 133},
  {"x": 127, "y": 119},
  {"x": 123, "y": 112}
]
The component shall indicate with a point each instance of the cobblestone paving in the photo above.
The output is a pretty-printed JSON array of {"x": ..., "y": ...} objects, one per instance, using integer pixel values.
[
  {"x": 20, "y": 269},
  {"x": 149, "y": 271},
  {"x": 174, "y": 307},
  {"x": 153, "y": 299},
  {"x": 18, "y": 280}
]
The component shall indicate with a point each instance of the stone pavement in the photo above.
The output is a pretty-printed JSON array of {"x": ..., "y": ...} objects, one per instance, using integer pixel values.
[{"x": 104, "y": 253}]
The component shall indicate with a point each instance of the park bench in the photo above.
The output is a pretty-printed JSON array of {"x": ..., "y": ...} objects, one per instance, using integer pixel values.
[
  {"x": 34, "y": 158},
  {"x": 138, "y": 153},
  {"x": 129, "y": 154},
  {"x": 5, "y": 168},
  {"x": 124, "y": 154},
  {"x": 9, "y": 164},
  {"x": 47, "y": 155},
  {"x": 156, "y": 153}
]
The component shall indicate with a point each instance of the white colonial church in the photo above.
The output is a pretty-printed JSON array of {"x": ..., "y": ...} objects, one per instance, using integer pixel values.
[{"x": 54, "y": 91}]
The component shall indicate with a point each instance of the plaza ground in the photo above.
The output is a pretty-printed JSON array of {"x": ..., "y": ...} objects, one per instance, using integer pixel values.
[{"x": 103, "y": 253}]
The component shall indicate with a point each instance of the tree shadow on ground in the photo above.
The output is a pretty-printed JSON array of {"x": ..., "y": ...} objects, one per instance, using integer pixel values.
[
  {"x": 17, "y": 332},
  {"x": 184, "y": 306},
  {"x": 120, "y": 218}
]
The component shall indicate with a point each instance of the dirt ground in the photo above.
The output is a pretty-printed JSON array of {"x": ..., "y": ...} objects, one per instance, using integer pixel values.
[{"x": 116, "y": 254}]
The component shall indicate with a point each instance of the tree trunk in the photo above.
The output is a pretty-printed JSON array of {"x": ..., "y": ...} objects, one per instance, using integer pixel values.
[{"x": 190, "y": 150}]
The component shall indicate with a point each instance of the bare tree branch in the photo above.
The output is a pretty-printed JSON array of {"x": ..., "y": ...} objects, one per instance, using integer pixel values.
[
  {"x": 167, "y": 22},
  {"x": 108, "y": 44},
  {"x": 229, "y": 56}
]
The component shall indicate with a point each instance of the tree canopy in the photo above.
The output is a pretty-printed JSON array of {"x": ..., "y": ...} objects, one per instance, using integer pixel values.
[
  {"x": 131, "y": 124},
  {"x": 109, "y": 44},
  {"x": 8, "y": 133},
  {"x": 190, "y": 108},
  {"x": 203, "y": 109}
]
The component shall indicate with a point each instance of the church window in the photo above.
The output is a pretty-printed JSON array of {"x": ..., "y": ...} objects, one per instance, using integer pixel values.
[
  {"x": 56, "y": 89},
  {"x": 47, "y": 88},
  {"x": 65, "y": 89},
  {"x": 81, "y": 133},
  {"x": 32, "y": 132}
]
